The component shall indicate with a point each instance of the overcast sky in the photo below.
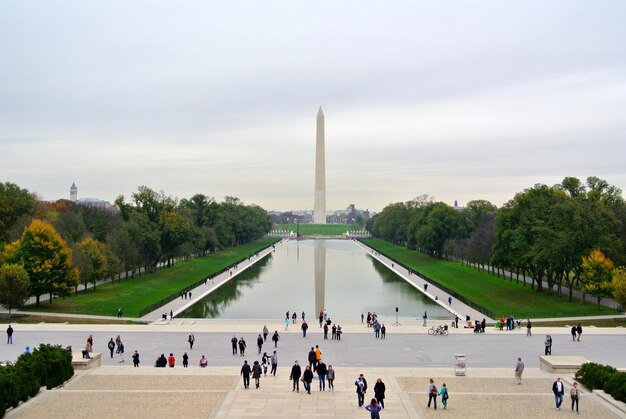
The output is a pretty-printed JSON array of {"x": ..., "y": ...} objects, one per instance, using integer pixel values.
[{"x": 459, "y": 100}]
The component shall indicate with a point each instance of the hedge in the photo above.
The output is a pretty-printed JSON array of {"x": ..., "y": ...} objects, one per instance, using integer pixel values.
[
  {"x": 603, "y": 377},
  {"x": 47, "y": 365}
]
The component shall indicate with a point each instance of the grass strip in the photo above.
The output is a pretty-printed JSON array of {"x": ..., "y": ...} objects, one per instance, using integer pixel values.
[{"x": 498, "y": 295}]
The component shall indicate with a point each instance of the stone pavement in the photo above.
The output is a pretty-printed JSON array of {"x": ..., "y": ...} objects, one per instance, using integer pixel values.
[{"x": 217, "y": 392}]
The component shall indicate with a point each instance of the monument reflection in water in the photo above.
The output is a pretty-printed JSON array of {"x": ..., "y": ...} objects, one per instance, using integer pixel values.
[{"x": 311, "y": 275}]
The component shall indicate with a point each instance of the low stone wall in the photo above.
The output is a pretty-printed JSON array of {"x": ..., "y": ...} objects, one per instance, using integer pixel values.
[{"x": 80, "y": 363}]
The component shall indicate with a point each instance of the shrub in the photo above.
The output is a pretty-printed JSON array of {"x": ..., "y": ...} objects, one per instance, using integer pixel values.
[
  {"x": 594, "y": 376},
  {"x": 616, "y": 386}
]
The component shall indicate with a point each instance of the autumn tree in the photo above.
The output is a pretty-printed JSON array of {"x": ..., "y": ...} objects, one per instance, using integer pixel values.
[
  {"x": 95, "y": 252},
  {"x": 598, "y": 275},
  {"x": 619, "y": 286},
  {"x": 13, "y": 286},
  {"x": 46, "y": 258},
  {"x": 15, "y": 203}
]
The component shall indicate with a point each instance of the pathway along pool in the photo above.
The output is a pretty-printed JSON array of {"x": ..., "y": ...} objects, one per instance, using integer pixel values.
[{"x": 308, "y": 275}]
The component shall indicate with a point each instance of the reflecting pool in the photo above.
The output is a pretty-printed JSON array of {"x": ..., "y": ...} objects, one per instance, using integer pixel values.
[{"x": 309, "y": 275}]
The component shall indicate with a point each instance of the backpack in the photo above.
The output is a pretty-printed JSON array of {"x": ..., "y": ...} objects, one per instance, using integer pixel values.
[
  {"x": 445, "y": 395},
  {"x": 433, "y": 391}
]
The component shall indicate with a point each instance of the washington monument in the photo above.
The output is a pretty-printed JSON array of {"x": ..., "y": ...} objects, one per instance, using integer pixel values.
[{"x": 319, "y": 210}]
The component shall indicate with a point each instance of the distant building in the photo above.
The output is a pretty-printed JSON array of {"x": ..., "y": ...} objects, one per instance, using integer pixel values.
[
  {"x": 457, "y": 207},
  {"x": 73, "y": 192},
  {"x": 90, "y": 202}
]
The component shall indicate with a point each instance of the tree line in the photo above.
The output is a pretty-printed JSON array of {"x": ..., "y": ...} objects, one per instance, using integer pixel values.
[
  {"x": 556, "y": 235},
  {"x": 53, "y": 247}
]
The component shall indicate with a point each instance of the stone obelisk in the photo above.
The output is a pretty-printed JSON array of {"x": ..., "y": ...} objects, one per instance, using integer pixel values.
[{"x": 319, "y": 210}]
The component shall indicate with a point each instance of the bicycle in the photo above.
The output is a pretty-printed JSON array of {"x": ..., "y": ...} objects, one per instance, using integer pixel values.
[{"x": 439, "y": 330}]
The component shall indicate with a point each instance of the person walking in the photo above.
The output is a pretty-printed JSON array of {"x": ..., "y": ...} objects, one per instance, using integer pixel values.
[
  {"x": 528, "y": 327},
  {"x": 275, "y": 338},
  {"x": 287, "y": 324},
  {"x": 311, "y": 358},
  {"x": 9, "y": 335},
  {"x": 321, "y": 374},
  {"x": 274, "y": 360},
  {"x": 330, "y": 376},
  {"x": 374, "y": 408},
  {"x": 265, "y": 333},
  {"x": 119, "y": 313},
  {"x": 424, "y": 318},
  {"x": 294, "y": 317},
  {"x": 443, "y": 392},
  {"x": 360, "y": 390},
  {"x": 579, "y": 330},
  {"x": 259, "y": 344},
  {"x": 135, "y": 359},
  {"x": 307, "y": 378},
  {"x": 185, "y": 360},
  {"x": 242, "y": 346},
  {"x": 548, "y": 345},
  {"x": 318, "y": 355},
  {"x": 233, "y": 342},
  {"x": 191, "y": 339},
  {"x": 334, "y": 332},
  {"x": 379, "y": 392},
  {"x": 519, "y": 370},
  {"x": 111, "y": 346},
  {"x": 245, "y": 373},
  {"x": 296, "y": 373},
  {"x": 326, "y": 331},
  {"x": 449, "y": 301},
  {"x": 120, "y": 350},
  {"x": 573, "y": 331},
  {"x": 303, "y": 316},
  {"x": 256, "y": 373},
  {"x": 376, "y": 329},
  {"x": 558, "y": 390},
  {"x": 383, "y": 333},
  {"x": 304, "y": 328},
  {"x": 575, "y": 395},
  {"x": 432, "y": 393}
]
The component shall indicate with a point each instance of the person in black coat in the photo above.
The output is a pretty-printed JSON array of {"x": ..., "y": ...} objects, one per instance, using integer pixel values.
[
  {"x": 312, "y": 359},
  {"x": 296, "y": 373},
  {"x": 233, "y": 342},
  {"x": 245, "y": 372},
  {"x": 379, "y": 392},
  {"x": 256, "y": 373},
  {"x": 321, "y": 374},
  {"x": 275, "y": 338},
  {"x": 307, "y": 377}
]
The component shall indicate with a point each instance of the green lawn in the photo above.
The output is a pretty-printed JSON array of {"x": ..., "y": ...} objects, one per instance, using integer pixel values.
[
  {"x": 135, "y": 294},
  {"x": 320, "y": 229},
  {"x": 497, "y": 295}
]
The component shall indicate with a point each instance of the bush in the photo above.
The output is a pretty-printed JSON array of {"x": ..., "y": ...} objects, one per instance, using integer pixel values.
[
  {"x": 48, "y": 365},
  {"x": 616, "y": 386},
  {"x": 594, "y": 376}
]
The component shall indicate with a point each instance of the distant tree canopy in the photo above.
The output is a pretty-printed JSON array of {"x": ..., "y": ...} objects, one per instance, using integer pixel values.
[
  {"x": 61, "y": 244},
  {"x": 543, "y": 232}
]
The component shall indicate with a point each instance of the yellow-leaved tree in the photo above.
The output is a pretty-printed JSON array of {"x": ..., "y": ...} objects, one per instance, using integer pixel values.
[
  {"x": 46, "y": 258},
  {"x": 597, "y": 275},
  {"x": 619, "y": 286}
]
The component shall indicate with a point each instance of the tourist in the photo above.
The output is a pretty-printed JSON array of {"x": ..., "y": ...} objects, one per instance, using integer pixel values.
[
  {"x": 360, "y": 390},
  {"x": 334, "y": 332},
  {"x": 89, "y": 345},
  {"x": 519, "y": 370},
  {"x": 424, "y": 318},
  {"x": 274, "y": 364},
  {"x": 383, "y": 331},
  {"x": 27, "y": 351},
  {"x": 233, "y": 343},
  {"x": 203, "y": 362},
  {"x": 369, "y": 319},
  {"x": 265, "y": 359},
  {"x": 185, "y": 360},
  {"x": 425, "y": 287},
  {"x": 456, "y": 321},
  {"x": 548, "y": 345},
  {"x": 379, "y": 392},
  {"x": 339, "y": 332},
  {"x": 330, "y": 376},
  {"x": 118, "y": 341},
  {"x": 120, "y": 350},
  {"x": 304, "y": 328},
  {"x": 325, "y": 331},
  {"x": 265, "y": 333},
  {"x": 119, "y": 313},
  {"x": 90, "y": 342},
  {"x": 432, "y": 393},
  {"x": 171, "y": 361},
  {"x": 449, "y": 301},
  {"x": 9, "y": 335},
  {"x": 136, "y": 359},
  {"x": 501, "y": 322},
  {"x": 245, "y": 372},
  {"x": 275, "y": 338},
  {"x": 482, "y": 325},
  {"x": 287, "y": 316},
  {"x": 321, "y": 317},
  {"x": 376, "y": 329},
  {"x": 191, "y": 339},
  {"x": 189, "y": 295},
  {"x": 171, "y": 315},
  {"x": 579, "y": 330},
  {"x": 311, "y": 358},
  {"x": 256, "y": 373},
  {"x": 362, "y": 318},
  {"x": 558, "y": 390},
  {"x": 286, "y": 324},
  {"x": 528, "y": 327},
  {"x": 307, "y": 378},
  {"x": 303, "y": 315},
  {"x": 321, "y": 374},
  {"x": 259, "y": 344},
  {"x": 242, "y": 346},
  {"x": 296, "y": 373},
  {"x": 162, "y": 362},
  {"x": 573, "y": 331},
  {"x": 294, "y": 316},
  {"x": 443, "y": 392},
  {"x": 374, "y": 408},
  {"x": 111, "y": 346},
  {"x": 575, "y": 395}
]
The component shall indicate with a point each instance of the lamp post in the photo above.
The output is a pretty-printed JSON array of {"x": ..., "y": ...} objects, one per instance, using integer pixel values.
[{"x": 297, "y": 229}]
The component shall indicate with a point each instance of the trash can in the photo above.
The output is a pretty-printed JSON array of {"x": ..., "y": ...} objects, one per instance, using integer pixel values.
[{"x": 459, "y": 364}]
